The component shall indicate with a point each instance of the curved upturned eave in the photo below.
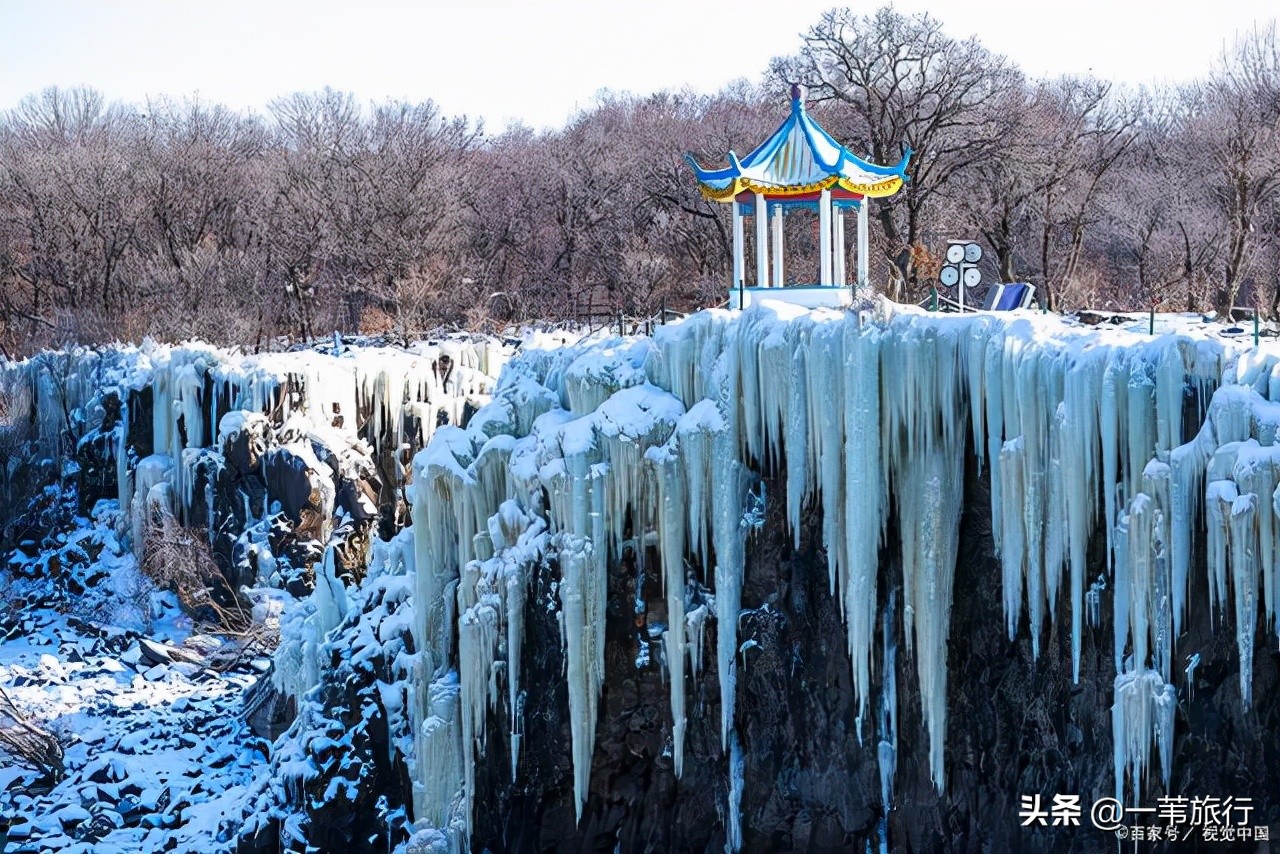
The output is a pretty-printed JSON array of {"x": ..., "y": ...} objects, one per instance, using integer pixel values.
[{"x": 847, "y": 171}]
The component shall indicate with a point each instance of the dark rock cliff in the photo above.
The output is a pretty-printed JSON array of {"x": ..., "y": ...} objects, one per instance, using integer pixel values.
[{"x": 1016, "y": 727}]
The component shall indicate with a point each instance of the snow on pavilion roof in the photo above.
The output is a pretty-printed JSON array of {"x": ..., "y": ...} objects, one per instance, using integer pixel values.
[{"x": 799, "y": 158}]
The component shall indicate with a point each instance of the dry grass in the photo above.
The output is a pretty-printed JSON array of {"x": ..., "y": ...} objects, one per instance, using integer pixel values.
[
  {"x": 179, "y": 559},
  {"x": 26, "y": 742}
]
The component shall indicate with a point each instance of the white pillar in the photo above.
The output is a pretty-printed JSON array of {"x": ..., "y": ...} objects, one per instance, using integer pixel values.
[
  {"x": 735, "y": 299},
  {"x": 824, "y": 238},
  {"x": 777, "y": 246},
  {"x": 762, "y": 242},
  {"x": 863, "y": 282},
  {"x": 840, "y": 278}
]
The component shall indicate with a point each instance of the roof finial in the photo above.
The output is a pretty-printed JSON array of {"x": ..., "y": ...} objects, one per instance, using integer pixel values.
[{"x": 797, "y": 94}]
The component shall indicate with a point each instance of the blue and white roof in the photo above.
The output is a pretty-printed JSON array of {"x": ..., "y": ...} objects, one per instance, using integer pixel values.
[{"x": 799, "y": 158}]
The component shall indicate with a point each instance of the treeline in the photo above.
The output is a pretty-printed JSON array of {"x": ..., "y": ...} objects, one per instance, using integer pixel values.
[{"x": 183, "y": 219}]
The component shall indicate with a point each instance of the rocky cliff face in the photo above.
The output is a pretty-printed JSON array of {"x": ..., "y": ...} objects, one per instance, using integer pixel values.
[{"x": 1016, "y": 727}]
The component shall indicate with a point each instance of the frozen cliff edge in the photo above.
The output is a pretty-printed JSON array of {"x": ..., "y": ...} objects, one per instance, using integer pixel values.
[{"x": 654, "y": 450}]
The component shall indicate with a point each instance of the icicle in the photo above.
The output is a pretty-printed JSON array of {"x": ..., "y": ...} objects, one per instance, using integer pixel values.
[
  {"x": 933, "y": 486},
  {"x": 799, "y": 473},
  {"x": 1109, "y": 416},
  {"x": 1244, "y": 583},
  {"x": 577, "y": 594},
  {"x": 866, "y": 513},
  {"x": 439, "y": 749},
  {"x": 124, "y": 484},
  {"x": 1012, "y": 549},
  {"x": 1140, "y": 424},
  {"x": 1079, "y": 476},
  {"x": 887, "y": 750},
  {"x": 1142, "y": 715},
  {"x": 330, "y": 596},
  {"x": 1220, "y": 496},
  {"x": 1170, "y": 378},
  {"x": 1093, "y": 601},
  {"x": 478, "y": 632},
  {"x": 696, "y": 432},
  {"x": 994, "y": 385},
  {"x": 728, "y": 496},
  {"x": 1193, "y": 661},
  {"x": 672, "y": 513},
  {"x": 1121, "y": 586},
  {"x": 826, "y": 444},
  {"x": 151, "y": 473},
  {"x": 1255, "y": 472},
  {"x": 517, "y": 582},
  {"x": 1055, "y": 510},
  {"x": 1270, "y": 575},
  {"x": 737, "y": 777},
  {"x": 1187, "y": 464},
  {"x": 1142, "y": 541},
  {"x": 976, "y": 344},
  {"x": 695, "y": 629},
  {"x": 1035, "y": 427}
]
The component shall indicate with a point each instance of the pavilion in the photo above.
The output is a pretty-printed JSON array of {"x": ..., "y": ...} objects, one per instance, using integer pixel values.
[{"x": 799, "y": 167}]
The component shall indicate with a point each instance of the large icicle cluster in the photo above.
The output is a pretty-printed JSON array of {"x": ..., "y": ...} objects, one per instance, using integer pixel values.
[
  {"x": 610, "y": 445},
  {"x": 378, "y": 391},
  {"x": 324, "y": 414}
]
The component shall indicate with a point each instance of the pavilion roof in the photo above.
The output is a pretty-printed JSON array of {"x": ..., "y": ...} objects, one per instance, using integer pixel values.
[{"x": 799, "y": 158}]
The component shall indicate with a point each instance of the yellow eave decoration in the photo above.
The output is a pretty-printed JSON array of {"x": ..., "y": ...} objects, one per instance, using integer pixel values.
[{"x": 877, "y": 190}]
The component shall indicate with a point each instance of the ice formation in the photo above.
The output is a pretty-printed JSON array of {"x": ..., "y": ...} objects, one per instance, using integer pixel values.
[
  {"x": 1141, "y": 716},
  {"x": 870, "y": 416},
  {"x": 203, "y": 398},
  {"x": 587, "y": 455}
]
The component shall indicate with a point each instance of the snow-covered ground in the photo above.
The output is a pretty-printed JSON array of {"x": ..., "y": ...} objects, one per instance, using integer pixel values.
[{"x": 156, "y": 757}]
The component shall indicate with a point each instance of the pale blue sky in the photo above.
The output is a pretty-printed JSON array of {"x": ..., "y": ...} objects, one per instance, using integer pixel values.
[{"x": 539, "y": 60}]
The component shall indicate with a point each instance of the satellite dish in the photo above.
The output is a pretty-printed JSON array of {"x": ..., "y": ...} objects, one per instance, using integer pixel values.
[
  {"x": 972, "y": 276},
  {"x": 973, "y": 253},
  {"x": 948, "y": 275},
  {"x": 955, "y": 253}
]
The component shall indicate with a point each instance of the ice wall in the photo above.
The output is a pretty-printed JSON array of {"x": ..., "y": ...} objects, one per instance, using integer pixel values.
[
  {"x": 327, "y": 413},
  {"x": 872, "y": 416}
]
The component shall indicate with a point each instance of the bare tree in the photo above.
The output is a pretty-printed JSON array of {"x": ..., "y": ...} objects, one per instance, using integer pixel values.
[
  {"x": 1233, "y": 127},
  {"x": 181, "y": 219},
  {"x": 909, "y": 85},
  {"x": 1084, "y": 131}
]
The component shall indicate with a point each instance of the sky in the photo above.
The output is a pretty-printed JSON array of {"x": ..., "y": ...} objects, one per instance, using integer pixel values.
[{"x": 537, "y": 62}]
